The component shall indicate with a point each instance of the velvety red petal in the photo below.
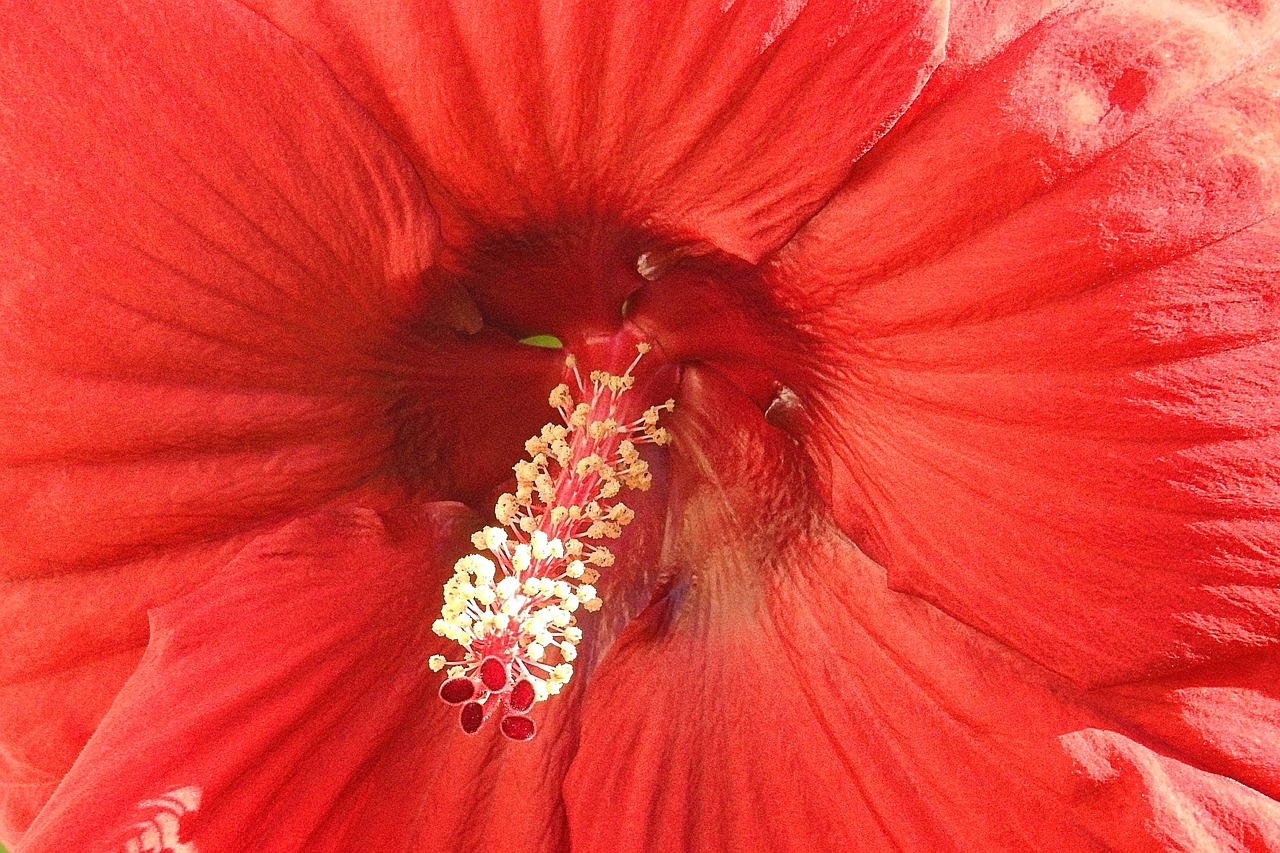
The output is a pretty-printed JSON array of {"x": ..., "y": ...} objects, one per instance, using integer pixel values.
[
  {"x": 70, "y": 641},
  {"x": 1047, "y": 384},
  {"x": 1222, "y": 719},
  {"x": 286, "y": 702},
  {"x": 781, "y": 697},
  {"x": 1144, "y": 800},
  {"x": 40, "y": 744},
  {"x": 291, "y": 692},
  {"x": 726, "y": 123},
  {"x": 208, "y": 250}
]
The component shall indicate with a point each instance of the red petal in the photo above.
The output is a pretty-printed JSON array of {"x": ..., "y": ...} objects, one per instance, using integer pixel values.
[
  {"x": 1048, "y": 388},
  {"x": 279, "y": 697},
  {"x": 1147, "y": 800},
  {"x": 781, "y": 691},
  {"x": 1220, "y": 719},
  {"x": 687, "y": 119},
  {"x": 70, "y": 642},
  {"x": 45, "y": 721},
  {"x": 211, "y": 254},
  {"x": 171, "y": 370}
]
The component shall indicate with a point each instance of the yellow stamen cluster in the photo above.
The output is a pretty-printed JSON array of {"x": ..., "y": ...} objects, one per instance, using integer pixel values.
[{"x": 519, "y": 604}]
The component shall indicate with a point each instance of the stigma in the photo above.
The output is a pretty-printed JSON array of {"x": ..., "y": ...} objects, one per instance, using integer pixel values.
[{"x": 512, "y": 607}]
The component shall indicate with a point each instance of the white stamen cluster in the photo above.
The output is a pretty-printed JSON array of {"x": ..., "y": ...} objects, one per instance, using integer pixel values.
[{"x": 518, "y": 604}]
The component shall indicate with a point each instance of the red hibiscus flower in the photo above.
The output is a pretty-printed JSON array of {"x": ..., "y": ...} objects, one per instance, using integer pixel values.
[{"x": 968, "y": 535}]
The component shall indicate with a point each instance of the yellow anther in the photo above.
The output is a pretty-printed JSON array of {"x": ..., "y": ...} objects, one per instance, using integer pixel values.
[
  {"x": 505, "y": 508},
  {"x": 600, "y": 429},
  {"x": 601, "y": 557},
  {"x": 521, "y": 557},
  {"x": 604, "y": 530},
  {"x": 563, "y": 452},
  {"x": 560, "y": 398},
  {"x": 546, "y": 488}
]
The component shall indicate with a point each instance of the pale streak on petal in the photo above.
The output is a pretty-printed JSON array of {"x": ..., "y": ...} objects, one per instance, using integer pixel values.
[{"x": 162, "y": 832}]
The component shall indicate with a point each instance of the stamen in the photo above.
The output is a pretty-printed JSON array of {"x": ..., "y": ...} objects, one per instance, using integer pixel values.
[{"x": 513, "y": 613}]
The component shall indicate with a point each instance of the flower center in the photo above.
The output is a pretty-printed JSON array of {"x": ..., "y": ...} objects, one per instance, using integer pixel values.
[{"x": 513, "y": 613}]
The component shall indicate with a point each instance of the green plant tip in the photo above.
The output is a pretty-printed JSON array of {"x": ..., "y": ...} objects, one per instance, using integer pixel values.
[{"x": 546, "y": 341}]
